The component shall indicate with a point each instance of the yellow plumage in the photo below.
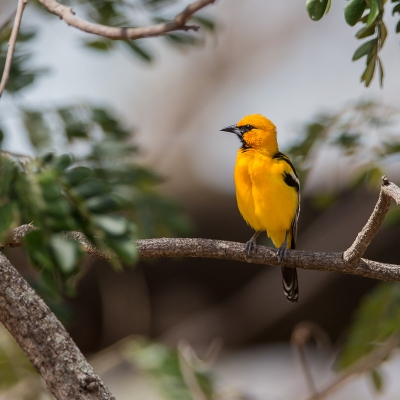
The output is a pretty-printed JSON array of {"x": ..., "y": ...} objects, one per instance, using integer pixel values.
[{"x": 267, "y": 189}]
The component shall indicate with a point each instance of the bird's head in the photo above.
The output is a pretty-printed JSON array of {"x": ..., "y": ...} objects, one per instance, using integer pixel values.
[{"x": 257, "y": 132}]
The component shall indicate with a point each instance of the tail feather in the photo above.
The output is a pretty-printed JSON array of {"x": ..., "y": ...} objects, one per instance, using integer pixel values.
[{"x": 290, "y": 284}]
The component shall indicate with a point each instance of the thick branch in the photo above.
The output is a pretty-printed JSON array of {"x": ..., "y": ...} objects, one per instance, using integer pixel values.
[
  {"x": 45, "y": 341},
  {"x": 364, "y": 238},
  {"x": 206, "y": 248},
  {"x": 11, "y": 44},
  {"x": 220, "y": 249},
  {"x": 178, "y": 23}
]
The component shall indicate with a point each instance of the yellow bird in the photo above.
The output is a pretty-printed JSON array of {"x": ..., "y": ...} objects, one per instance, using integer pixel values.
[{"x": 267, "y": 191}]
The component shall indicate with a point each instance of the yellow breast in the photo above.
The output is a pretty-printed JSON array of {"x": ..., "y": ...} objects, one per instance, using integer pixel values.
[{"x": 265, "y": 201}]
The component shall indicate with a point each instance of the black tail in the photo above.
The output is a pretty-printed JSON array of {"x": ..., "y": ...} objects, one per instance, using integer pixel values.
[{"x": 290, "y": 284}]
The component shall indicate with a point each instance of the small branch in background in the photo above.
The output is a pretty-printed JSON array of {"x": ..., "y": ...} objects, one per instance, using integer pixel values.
[
  {"x": 367, "y": 363},
  {"x": 302, "y": 333},
  {"x": 364, "y": 238},
  {"x": 11, "y": 44},
  {"x": 177, "y": 24}
]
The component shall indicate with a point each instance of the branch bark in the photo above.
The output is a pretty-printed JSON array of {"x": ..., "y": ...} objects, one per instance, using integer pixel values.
[
  {"x": 178, "y": 23},
  {"x": 364, "y": 238},
  {"x": 11, "y": 44},
  {"x": 219, "y": 249},
  {"x": 45, "y": 341}
]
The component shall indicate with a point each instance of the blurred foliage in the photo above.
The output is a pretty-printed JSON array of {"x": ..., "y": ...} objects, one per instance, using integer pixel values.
[
  {"x": 124, "y": 13},
  {"x": 353, "y": 132},
  {"x": 376, "y": 320},
  {"x": 370, "y": 14},
  {"x": 99, "y": 192},
  {"x": 22, "y": 74},
  {"x": 175, "y": 376}
]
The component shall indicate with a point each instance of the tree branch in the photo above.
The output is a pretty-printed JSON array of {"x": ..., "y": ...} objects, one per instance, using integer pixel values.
[
  {"x": 45, "y": 341},
  {"x": 11, "y": 44},
  {"x": 363, "y": 239},
  {"x": 220, "y": 249},
  {"x": 178, "y": 23}
]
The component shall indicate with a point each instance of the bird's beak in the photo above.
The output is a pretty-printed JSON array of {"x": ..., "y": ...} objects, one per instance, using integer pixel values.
[{"x": 232, "y": 129}]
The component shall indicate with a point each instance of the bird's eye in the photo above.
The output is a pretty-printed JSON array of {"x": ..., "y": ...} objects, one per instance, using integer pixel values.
[{"x": 249, "y": 127}]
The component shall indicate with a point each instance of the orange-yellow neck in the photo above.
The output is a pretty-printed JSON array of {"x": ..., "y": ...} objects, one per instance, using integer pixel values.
[{"x": 264, "y": 141}]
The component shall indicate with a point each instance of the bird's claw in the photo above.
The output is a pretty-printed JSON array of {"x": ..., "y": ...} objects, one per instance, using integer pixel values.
[
  {"x": 282, "y": 252},
  {"x": 250, "y": 245}
]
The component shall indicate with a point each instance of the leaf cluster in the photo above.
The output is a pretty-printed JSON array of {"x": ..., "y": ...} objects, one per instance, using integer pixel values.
[
  {"x": 97, "y": 192},
  {"x": 370, "y": 14},
  {"x": 375, "y": 321},
  {"x": 353, "y": 131}
]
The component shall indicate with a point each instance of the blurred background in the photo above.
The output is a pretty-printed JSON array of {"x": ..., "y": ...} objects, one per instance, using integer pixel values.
[{"x": 263, "y": 57}]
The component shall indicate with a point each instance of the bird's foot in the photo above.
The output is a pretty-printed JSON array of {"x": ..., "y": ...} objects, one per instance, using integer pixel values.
[
  {"x": 282, "y": 252},
  {"x": 250, "y": 245}
]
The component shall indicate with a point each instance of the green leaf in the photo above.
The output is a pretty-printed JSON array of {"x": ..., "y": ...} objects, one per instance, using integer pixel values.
[
  {"x": 75, "y": 176},
  {"x": 363, "y": 50},
  {"x": 374, "y": 12},
  {"x": 37, "y": 128},
  {"x": 100, "y": 45},
  {"x": 376, "y": 319},
  {"x": 25, "y": 36},
  {"x": 126, "y": 250},
  {"x": 368, "y": 73},
  {"x": 90, "y": 189},
  {"x": 377, "y": 380},
  {"x": 353, "y": 11},
  {"x": 102, "y": 204},
  {"x": 365, "y": 32},
  {"x": 66, "y": 252},
  {"x": 139, "y": 50},
  {"x": 63, "y": 162},
  {"x": 207, "y": 23},
  {"x": 396, "y": 9},
  {"x": 328, "y": 6},
  {"x": 382, "y": 34},
  {"x": 381, "y": 72},
  {"x": 179, "y": 40},
  {"x": 112, "y": 225},
  {"x": 316, "y": 8}
]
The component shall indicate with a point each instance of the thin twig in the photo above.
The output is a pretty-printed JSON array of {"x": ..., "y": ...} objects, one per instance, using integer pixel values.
[
  {"x": 11, "y": 44},
  {"x": 178, "y": 23},
  {"x": 302, "y": 333}
]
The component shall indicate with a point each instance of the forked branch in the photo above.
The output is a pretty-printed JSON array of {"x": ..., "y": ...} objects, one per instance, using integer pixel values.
[
  {"x": 219, "y": 249},
  {"x": 178, "y": 23}
]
